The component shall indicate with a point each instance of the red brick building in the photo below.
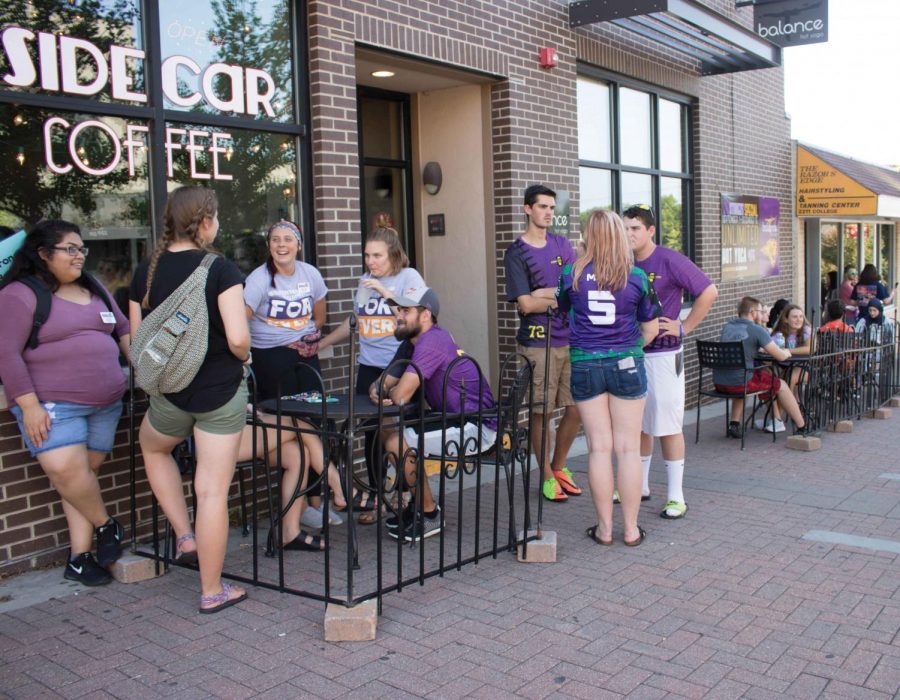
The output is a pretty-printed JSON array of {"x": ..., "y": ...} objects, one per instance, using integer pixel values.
[{"x": 283, "y": 112}]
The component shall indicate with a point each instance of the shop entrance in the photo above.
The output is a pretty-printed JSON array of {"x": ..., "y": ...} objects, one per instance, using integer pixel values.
[{"x": 412, "y": 114}]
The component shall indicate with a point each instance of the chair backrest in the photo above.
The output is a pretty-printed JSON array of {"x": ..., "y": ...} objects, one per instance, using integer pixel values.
[{"x": 722, "y": 355}]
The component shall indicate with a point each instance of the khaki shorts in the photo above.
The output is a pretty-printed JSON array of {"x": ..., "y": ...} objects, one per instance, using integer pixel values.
[
  {"x": 168, "y": 419},
  {"x": 559, "y": 381}
]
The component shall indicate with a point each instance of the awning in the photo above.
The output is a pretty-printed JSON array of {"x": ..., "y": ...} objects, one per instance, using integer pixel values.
[
  {"x": 716, "y": 43},
  {"x": 829, "y": 184}
]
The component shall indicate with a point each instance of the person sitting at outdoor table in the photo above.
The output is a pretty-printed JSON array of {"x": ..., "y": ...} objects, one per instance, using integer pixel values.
[
  {"x": 285, "y": 304},
  {"x": 794, "y": 332},
  {"x": 869, "y": 287},
  {"x": 745, "y": 328},
  {"x": 431, "y": 349},
  {"x": 877, "y": 327},
  {"x": 834, "y": 311},
  {"x": 773, "y": 314},
  {"x": 66, "y": 392},
  {"x": 845, "y": 293}
]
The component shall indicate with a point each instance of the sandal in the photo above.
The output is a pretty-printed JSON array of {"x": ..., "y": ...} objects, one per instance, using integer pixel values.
[
  {"x": 635, "y": 542},
  {"x": 210, "y": 604},
  {"x": 592, "y": 533},
  {"x": 181, "y": 556},
  {"x": 358, "y": 504},
  {"x": 304, "y": 542}
]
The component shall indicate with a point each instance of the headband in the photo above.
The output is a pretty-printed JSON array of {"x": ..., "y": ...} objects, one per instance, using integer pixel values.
[{"x": 292, "y": 227}]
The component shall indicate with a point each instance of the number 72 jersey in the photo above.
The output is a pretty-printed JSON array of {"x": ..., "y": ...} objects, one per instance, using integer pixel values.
[{"x": 604, "y": 322}]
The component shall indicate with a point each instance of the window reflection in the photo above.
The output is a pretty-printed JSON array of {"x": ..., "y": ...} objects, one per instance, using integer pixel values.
[
  {"x": 671, "y": 145},
  {"x": 670, "y": 221},
  {"x": 636, "y": 189},
  {"x": 593, "y": 121},
  {"x": 256, "y": 183},
  {"x": 634, "y": 128},
  {"x": 103, "y": 23},
  {"x": 253, "y": 40},
  {"x": 595, "y": 186},
  {"x": 382, "y": 121}
]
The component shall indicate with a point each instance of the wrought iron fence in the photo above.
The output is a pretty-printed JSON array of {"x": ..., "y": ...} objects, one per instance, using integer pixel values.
[{"x": 486, "y": 496}]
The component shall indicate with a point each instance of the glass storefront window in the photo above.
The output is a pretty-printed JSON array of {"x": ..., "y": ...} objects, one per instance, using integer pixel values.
[
  {"x": 868, "y": 233},
  {"x": 595, "y": 186},
  {"x": 89, "y": 170},
  {"x": 851, "y": 245},
  {"x": 671, "y": 142},
  {"x": 829, "y": 235},
  {"x": 593, "y": 121},
  {"x": 635, "y": 141},
  {"x": 76, "y": 55},
  {"x": 671, "y": 213},
  {"x": 636, "y": 189},
  {"x": 384, "y": 203},
  {"x": 254, "y": 175},
  {"x": 382, "y": 121},
  {"x": 228, "y": 58},
  {"x": 885, "y": 238}
]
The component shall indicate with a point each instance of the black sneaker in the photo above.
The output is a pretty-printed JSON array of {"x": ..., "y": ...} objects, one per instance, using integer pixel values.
[
  {"x": 425, "y": 527},
  {"x": 405, "y": 517},
  {"x": 734, "y": 430},
  {"x": 109, "y": 542},
  {"x": 85, "y": 570}
]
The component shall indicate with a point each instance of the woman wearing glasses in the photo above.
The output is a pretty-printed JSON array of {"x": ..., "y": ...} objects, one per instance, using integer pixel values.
[
  {"x": 613, "y": 316},
  {"x": 66, "y": 391}
]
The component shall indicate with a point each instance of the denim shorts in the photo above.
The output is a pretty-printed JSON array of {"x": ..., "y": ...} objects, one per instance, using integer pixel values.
[
  {"x": 76, "y": 424},
  {"x": 624, "y": 378}
]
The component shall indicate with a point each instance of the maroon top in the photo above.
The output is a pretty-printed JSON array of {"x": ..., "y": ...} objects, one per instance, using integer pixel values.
[{"x": 76, "y": 359}]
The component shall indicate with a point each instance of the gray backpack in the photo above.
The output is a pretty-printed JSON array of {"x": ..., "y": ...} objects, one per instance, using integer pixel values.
[{"x": 170, "y": 345}]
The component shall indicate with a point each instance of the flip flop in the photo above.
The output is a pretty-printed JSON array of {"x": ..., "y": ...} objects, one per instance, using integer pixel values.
[
  {"x": 358, "y": 504},
  {"x": 221, "y": 598},
  {"x": 305, "y": 542},
  {"x": 182, "y": 557},
  {"x": 636, "y": 542},
  {"x": 592, "y": 533}
]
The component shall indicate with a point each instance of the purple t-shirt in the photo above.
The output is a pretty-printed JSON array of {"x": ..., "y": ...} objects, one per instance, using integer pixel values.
[
  {"x": 76, "y": 360},
  {"x": 529, "y": 268},
  {"x": 605, "y": 323},
  {"x": 432, "y": 353},
  {"x": 671, "y": 274}
]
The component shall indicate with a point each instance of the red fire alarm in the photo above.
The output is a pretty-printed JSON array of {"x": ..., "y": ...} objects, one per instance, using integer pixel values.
[{"x": 548, "y": 57}]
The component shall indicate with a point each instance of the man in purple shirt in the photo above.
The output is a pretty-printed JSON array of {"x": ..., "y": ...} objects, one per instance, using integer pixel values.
[
  {"x": 533, "y": 264},
  {"x": 672, "y": 274},
  {"x": 432, "y": 350}
]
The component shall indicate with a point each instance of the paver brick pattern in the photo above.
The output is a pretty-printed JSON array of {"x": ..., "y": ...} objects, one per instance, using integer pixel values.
[{"x": 729, "y": 602}]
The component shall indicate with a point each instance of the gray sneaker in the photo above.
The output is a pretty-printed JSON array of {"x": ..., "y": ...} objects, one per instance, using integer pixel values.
[
  {"x": 312, "y": 518},
  {"x": 425, "y": 527}
]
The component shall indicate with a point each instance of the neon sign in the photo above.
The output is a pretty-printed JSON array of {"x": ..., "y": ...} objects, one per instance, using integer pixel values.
[{"x": 250, "y": 91}]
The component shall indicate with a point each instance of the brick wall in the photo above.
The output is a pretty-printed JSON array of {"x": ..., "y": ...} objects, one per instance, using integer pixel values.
[{"x": 741, "y": 144}]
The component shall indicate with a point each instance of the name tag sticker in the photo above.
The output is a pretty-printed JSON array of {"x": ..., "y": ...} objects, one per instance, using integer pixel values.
[
  {"x": 626, "y": 363},
  {"x": 107, "y": 317}
]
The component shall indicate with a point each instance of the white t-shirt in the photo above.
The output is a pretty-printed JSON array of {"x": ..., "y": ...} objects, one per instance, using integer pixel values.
[
  {"x": 377, "y": 344},
  {"x": 284, "y": 313}
]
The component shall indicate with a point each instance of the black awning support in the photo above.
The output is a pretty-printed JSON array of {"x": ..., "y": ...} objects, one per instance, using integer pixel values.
[{"x": 716, "y": 42}]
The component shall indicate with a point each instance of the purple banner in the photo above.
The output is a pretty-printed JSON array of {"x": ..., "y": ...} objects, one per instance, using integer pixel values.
[{"x": 750, "y": 247}]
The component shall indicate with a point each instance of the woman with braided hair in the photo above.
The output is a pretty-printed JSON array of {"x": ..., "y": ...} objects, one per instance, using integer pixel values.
[{"x": 212, "y": 407}]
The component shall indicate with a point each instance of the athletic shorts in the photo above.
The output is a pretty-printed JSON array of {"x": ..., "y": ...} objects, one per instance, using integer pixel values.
[
  {"x": 664, "y": 410},
  {"x": 559, "y": 384},
  {"x": 622, "y": 377},
  {"x": 168, "y": 419},
  {"x": 75, "y": 424},
  {"x": 761, "y": 380},
  {"x": 450, "y": 446}
]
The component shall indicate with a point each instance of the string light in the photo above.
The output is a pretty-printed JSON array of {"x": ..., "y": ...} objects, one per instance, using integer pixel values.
[{"x": 20, "y": 156}]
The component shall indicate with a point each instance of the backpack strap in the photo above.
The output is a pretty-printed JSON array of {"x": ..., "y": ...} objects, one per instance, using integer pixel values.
[{"x": 43, "y": 299}]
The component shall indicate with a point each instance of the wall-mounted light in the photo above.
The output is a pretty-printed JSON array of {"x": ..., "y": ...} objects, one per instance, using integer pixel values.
[
  {"x": 383, "y": 183},
  {"x": 383, "y": 74},
  {"x": 432, "y": 177},
  {"x": 20, "y": 156}
]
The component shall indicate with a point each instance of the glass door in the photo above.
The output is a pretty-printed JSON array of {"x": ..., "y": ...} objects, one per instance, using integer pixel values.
[{"x": 385, "y": 164}]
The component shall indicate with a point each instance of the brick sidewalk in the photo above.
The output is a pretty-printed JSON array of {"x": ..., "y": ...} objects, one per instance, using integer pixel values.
[{"x": 732, "y": 601}]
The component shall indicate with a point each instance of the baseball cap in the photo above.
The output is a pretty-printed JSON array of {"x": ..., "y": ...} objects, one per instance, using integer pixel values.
[{"x": 423, "y": 296}]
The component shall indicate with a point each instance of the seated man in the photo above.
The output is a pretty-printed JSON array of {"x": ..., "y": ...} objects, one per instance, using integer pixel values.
[
  {"x": 431, "y": 349},
  {"x": 746, "y": 328},
  {"x": 835, "y": 323}
]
